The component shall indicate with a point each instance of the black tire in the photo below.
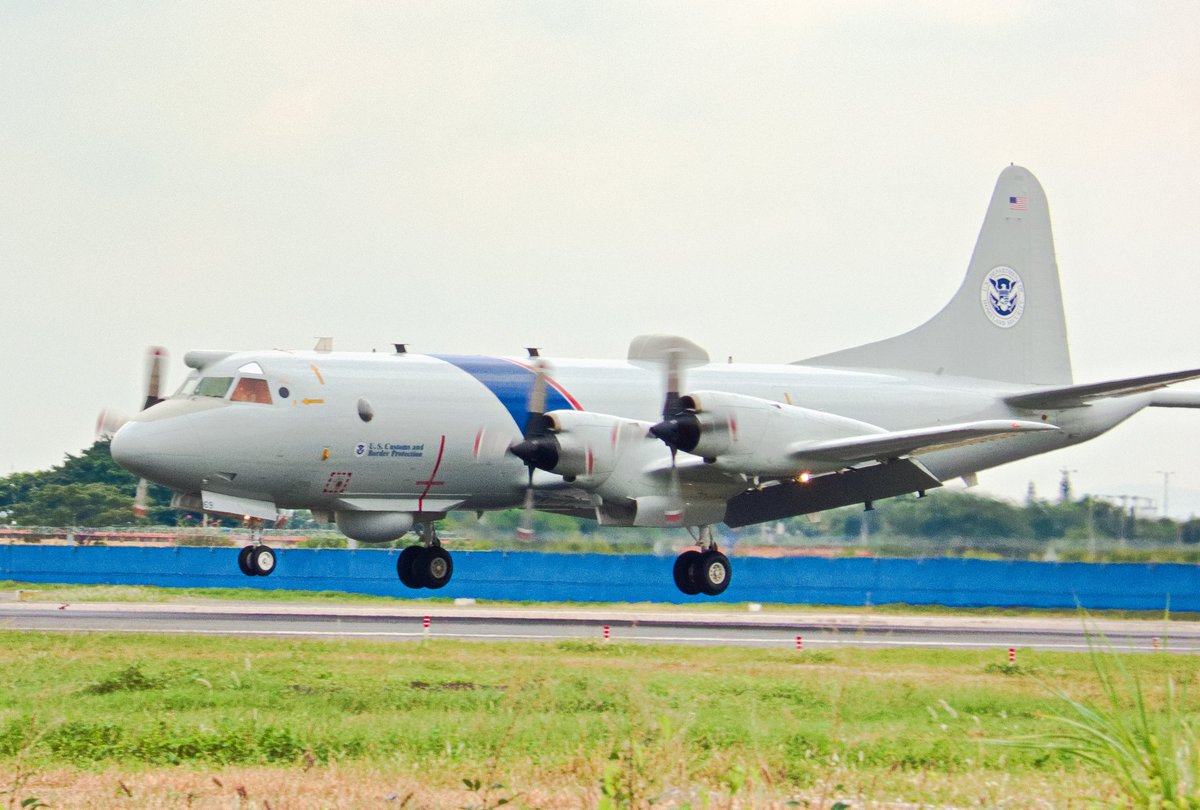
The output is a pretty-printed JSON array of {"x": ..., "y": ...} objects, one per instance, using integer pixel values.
[
  {"x": 262, "y": 560},
  {"x": 712, "y": 572},
  {"x": 684, "y": 572},
  {"x": 406, "y": 567},
  {"x": 434, "y": 567},
  {"x": 244, "y": 560}
]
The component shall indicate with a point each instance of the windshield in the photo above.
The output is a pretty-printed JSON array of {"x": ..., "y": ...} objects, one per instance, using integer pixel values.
[
  {"x": 188, "y": 387},
  {"x": 250, "y": 389},
  {"x": 216, "y": 387}
]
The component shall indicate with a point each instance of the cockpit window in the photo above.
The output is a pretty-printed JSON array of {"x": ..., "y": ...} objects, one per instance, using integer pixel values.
[
  {"x": 188, "y": 388},
  {"x": 215, "y": 387},
  {"x": 249, "y": 389}
]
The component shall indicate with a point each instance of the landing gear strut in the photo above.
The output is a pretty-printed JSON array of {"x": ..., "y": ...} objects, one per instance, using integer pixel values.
[
  {"x": 705, "y": 570},
  {"x": 427, "y": 565},
  {"x": 256, "y": 559}
]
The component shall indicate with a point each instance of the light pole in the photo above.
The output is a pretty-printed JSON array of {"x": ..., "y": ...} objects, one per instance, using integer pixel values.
[{"x": 1166, "y": 474}]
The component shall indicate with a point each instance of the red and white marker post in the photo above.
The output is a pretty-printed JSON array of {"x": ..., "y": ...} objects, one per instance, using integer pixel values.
[
  {"x": 607, "y": 634},
  {"x": 1012, "y": 655},
  {"x": 799, "y": 643}
]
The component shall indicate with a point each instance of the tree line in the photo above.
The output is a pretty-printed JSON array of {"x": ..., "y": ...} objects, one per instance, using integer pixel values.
[{"x": 89, "y": 489}]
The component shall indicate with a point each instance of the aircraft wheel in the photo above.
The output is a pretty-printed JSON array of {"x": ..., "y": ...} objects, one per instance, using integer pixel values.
[
  {"x": 244, "y": 560},
  {"x": 712, "y": 572},
  {"x": 685, "y": 572},
  {"x": 262, "y": 560},
  {"x": 406, "y": 567},
  {"x": 434, "y": 567}
]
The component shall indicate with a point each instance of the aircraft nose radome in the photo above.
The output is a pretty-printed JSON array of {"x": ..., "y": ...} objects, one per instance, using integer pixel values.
[
  {"x": 129, "y": 449},
  {"x": 123, "y": 445}
]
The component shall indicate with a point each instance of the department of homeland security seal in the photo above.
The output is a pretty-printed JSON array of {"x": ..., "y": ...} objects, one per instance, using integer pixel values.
[{"x": 1003, "y": 296}]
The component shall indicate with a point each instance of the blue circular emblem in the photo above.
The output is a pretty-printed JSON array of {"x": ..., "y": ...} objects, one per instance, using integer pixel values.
[
  {"x": 1002, "y": 296},
  {"x": 360, "y": 449}
]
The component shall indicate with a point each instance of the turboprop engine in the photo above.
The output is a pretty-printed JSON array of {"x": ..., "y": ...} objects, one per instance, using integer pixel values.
[
  {"x": 580, "y": 446},
  {"x": 751, "y": 435}
]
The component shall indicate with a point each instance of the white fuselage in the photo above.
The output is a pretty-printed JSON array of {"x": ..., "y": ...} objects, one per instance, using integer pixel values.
[{"x": 440, "y": 426}]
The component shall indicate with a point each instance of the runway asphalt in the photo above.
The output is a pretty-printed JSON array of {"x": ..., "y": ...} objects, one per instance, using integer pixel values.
[{"x": 772, "y": 629}]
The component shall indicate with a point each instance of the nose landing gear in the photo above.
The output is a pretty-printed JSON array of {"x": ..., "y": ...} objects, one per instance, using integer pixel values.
[
  {"x": 705, "y": 570},
  {"x": 256, "y": 559},
  {"x": 427, "y": 565}
]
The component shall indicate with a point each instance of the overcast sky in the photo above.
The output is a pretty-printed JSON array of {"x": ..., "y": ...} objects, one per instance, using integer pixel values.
[{"x": 771, "y": 180}]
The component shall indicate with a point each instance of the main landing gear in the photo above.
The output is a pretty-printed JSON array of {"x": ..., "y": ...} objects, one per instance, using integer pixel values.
[
  {"x": 704, "y": 570},
  {"x": 256, "y": 559},
  {"x": 427, "y": 565}
]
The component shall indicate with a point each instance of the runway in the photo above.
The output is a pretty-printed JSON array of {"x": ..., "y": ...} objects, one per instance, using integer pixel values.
[{"x": 780, "y": 630}]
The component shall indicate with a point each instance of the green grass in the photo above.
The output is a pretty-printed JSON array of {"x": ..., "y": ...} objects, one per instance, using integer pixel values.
[{"x": 639, "y": 719}]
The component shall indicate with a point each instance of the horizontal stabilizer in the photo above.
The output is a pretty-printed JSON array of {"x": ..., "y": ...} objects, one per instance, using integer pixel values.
[
  {"x": 893, "y": 444},
  {"x": 1175, "y": 399},
  {"x": 1072, "y": 396}
]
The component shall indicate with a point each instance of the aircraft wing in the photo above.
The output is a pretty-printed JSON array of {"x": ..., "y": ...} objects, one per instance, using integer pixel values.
[
  {"x": 569, "y": 501},
  {"x": 1072, "y": 396},
  {"x": 896, "y": 443}
]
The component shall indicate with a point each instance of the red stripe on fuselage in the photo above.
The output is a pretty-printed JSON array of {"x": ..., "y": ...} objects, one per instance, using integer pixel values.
[
  {"x": 553, "y": 383},
  {"x": 433, "y": 475}
]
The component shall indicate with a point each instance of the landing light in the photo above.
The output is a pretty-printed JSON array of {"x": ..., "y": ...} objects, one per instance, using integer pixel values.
[{"x": 804, "y": 477}]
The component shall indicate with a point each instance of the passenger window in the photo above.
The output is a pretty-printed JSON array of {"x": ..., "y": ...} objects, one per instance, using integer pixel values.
[
  {"x": 213, "y": 387},
  {"x": 251, "y": 390}
]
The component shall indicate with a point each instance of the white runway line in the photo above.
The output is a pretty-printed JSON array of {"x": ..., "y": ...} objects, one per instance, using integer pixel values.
[{"x": 735, "y": 642}]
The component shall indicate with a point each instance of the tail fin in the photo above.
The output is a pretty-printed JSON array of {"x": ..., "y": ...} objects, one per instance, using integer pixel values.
[{"x": 1006, "y": 321}]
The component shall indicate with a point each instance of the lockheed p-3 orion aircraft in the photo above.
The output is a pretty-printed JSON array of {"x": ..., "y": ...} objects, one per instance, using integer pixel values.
[{"x": 389, "y": 443}]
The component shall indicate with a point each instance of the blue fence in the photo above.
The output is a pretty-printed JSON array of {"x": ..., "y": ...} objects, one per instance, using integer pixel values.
[{"x": 532, "y": 576}]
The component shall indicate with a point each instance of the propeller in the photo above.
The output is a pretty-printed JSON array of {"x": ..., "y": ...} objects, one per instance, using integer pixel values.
[
  {"x": 538, "y": 448},
  {"x": 678, "y": 430},
  {"x": 109, "y": 421},
  {"x": 156, "y": 357}
]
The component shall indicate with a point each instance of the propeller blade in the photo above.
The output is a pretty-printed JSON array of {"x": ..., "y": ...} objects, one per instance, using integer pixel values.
[
  {"x": 139, "y": 498},
  {"x": 538, "y": 448},
  {"x": 671, "y": 404},
  {"x": 155, "y": 359},
  {"x": 674, "y": 513},
  {"x": 679, "y": 428},
  {"x": 525, "y": 527},
  {"x": 537, "y": 400},
  {"x": 108, "y": 422}
]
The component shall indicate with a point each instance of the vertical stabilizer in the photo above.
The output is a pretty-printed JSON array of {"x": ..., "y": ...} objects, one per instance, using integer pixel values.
[{"x": 1006, "y": 321}]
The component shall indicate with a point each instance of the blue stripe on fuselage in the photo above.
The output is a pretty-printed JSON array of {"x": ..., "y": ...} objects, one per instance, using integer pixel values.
[{"x": 510, "y": 382}]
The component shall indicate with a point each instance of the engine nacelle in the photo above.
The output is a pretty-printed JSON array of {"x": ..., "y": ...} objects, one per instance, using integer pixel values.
[
  {"x": 752, "y": 435},
  {"x": 589, "y": 444},
  {"x": 374, "y": 527}
]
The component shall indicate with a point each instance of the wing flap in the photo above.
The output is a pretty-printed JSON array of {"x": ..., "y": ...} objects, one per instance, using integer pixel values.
[
  {"x": 896, "y": 443},
  {"x": 860, "y": 485},
  {"x": 1072, "y": 396}
]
